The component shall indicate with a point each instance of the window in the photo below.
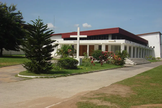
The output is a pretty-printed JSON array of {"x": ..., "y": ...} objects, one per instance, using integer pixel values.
[{"x": 99, "y": 47}]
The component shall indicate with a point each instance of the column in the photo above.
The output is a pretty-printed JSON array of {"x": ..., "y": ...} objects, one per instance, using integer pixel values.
[
  {"x": 122, "y": 47},
  {"x": 110, "y": 36},
  {"x": 144, "y": 53},
  {"x": 103, "y": 47},
  {"x": 88, "y": 50},
  {"x": 109, "y": 48},
  {"x": 138, "y": 52},
  {"x": 128, "y": 49},
  {"x": 75, "y": 46},
  {"x": 95, "y": 47},
  {"x": 135, "y": 53},
  {"x": 131, "y": 51}
]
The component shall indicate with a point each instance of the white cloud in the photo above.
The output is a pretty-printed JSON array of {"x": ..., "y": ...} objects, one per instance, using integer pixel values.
[
  {"x": 86, "y": 25},
  {"x": 50, "y": 25},
  {"x": 76, "y": 25}
]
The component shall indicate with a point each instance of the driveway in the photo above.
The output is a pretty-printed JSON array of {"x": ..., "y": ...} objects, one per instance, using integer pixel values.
[
  {"x": 45, "y": 93},
  {"x": 7, "y": 74}
]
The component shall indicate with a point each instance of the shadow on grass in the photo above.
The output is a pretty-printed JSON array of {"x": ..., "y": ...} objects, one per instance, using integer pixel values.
[
  {"x": 13, "y": 56},
  {"x": 67, "y": 71}
]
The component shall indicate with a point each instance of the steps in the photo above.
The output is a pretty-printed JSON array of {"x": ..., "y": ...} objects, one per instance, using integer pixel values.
[{"x": 135, "y": 61}]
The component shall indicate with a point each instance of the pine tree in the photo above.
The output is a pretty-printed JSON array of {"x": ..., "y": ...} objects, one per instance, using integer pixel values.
[{"x": 37, "y": 46}]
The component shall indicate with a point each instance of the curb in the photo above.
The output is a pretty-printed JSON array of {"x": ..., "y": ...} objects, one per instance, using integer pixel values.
[{"x": 25, "y": 76}]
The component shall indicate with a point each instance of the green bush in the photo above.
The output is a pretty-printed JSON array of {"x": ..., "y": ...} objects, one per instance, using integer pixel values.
[
  {"x": 86, "y": 60},
  {"x": 67, "y": 63},
  {"x": 66, "y": 50},
  {"x": 158, "y": 58},
  {"x": 96, "y": 54}
]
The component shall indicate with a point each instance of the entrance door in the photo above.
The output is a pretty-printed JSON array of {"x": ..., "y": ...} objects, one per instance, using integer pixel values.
[
  {"x": 106, "y": 48},
  {"x": 91, "y": 49},
  {"x": 82, "y": 49}
]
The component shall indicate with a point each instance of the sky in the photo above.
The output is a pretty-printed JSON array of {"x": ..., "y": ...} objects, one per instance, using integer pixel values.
[{"x": 135, "y": 16}]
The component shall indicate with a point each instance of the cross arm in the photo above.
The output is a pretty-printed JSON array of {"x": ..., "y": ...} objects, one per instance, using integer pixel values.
[{"x": 80, "y": 36}]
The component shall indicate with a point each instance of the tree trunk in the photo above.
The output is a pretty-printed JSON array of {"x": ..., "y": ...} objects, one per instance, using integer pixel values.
[{"x": 1, "y": 50}]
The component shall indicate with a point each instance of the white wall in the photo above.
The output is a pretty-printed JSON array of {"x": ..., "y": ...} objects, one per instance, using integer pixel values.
[
  {"x": 58, "y": 38},
  {"x": 11, "y": 52},
  {"x": 154, "y": 41}
]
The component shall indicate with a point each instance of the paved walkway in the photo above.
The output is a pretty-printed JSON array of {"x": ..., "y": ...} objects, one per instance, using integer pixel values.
[
  {"x": 7, "y": 74},
  {"x": 43, "y": 93}
]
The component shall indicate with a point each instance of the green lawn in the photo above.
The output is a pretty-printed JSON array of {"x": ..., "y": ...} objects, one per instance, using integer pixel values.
[
  {"x": 81, "y": 69},
  {"x": 147, "y": 88},
  {"x": 154, "y": 60},
  {"x": 12, "y": 60}
]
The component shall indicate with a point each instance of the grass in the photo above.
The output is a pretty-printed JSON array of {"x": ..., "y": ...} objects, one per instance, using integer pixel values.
[
  {"x": 81, "y": 69},
  {"x": 147, "y": 88},
  {"x": 12, "y": 60},
  {"x": 154, "y": 60}
]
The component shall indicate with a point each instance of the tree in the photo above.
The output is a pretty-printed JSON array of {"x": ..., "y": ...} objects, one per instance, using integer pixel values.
[
  {"x": 37, "y": 47},
  {"x": 11, "y": 28}
]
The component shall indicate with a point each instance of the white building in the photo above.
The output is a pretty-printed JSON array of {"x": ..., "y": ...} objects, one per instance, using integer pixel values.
[
  {"x": 111, "y": 39},
  {"x": 154, "y": 41}
]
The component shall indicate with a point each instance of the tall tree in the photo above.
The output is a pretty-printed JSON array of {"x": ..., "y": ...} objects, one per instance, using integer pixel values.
[
  {"x": 11, "y": 24},
  {"x": 38, "y": 46}
]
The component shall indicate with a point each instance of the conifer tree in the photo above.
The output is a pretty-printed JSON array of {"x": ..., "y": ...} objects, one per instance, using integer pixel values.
[{"x": 37, "y": 47}]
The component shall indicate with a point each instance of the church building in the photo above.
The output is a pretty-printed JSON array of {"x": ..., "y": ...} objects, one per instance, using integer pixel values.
[{"x": 113, "y": 39}]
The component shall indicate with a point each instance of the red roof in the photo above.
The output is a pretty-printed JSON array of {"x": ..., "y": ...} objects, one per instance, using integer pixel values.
[
  {"x": 148, "y": 33},
  {"x": 105, "y": 31}
]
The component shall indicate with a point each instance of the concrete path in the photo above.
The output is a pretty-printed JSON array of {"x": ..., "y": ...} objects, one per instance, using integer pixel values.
[
  {"x": 7, "y": 74},
  {"x": 45, "y": 93}
]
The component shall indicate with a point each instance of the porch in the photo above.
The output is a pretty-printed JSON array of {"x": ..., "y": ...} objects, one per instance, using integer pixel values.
[{"x": 135, "y": 50}]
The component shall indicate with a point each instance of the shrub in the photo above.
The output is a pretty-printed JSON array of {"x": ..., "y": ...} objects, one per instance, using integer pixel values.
[
  {"x": 153, "y": 58},
  {"x": 67, "y": 63},
  {"x": 66, "y": 50},
  {"x": 96, "y": 54},
  {"x": 86, "y": 61},
  {"x": 118, "y": 58},
  {"x": 158, "y": 58},
  {"x": 104, "y": 55}
]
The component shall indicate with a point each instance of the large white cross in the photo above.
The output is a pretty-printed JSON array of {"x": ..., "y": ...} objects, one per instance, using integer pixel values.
[{"x": 78, "y": 36}]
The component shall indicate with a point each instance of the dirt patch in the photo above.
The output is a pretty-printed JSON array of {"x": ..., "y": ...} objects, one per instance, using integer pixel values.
[
  {"x": 148, "y": 106},
  {"x": 155, "y": 84},
  {"x": 142, "y": 77},
  {"x": 115, "y": 89}
]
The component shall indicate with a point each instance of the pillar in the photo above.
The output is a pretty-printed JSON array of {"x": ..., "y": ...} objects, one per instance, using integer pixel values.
[
  {"x": 135, "y": 52},
  {"x": 88, "y": 50},
  {"x": 109, "y": 48},
  {"x": 138, "y": 52},
  {"x": 95, "y": 47},
  {"x": 128, "y": 49},
  {"x": 103, "y": 47},
  {"x": 144, "y": 53},
  {"x": 122, "y": 47},
  {"x": 131, "y": 51},
  {"x": 110, "y": 36}
]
